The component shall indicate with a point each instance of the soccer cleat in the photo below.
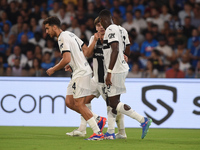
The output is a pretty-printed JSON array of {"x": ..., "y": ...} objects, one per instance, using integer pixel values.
[
  {"x": 76, "y": 133},
  {"x": 101, "y": 123},
  {"x": 109, "y": 136},
  {"x": 95, "y": 137},
  {"x": 120, "y": 136},
  {"x": 145, "y": 126}
]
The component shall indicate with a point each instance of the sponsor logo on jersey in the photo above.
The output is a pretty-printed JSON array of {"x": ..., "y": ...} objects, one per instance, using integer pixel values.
[{"x": 111, "y": 35}]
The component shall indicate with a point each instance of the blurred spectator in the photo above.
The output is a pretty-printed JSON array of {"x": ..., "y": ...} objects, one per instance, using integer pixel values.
[
  {"x": 147, "y": 47},
  {"x": 36, "y": 13},
  {"x": 64, "y": 18},
  {"x": 17, "y": 28},
  {"x": 180, "y": 36},
  {"x": 174, "y": 72},
  {"x": 56, "y": 56},
  {"x": 3, "y": 47},
  {"x": 171, "y": 41},
  {"x": 25, "y": 45},
  {"x": 99, "y": 6},
  {"x": 149, "y": 71},
  {"x": 116, "y": 5},
  {"x": 2, "y": 68},
  {"x": 180, "y": 50},
  {"x": 166, "y": 51},
  {"x": 17, "y": 69},
  {"x": 85, "y": 34},
  {"x": 38, "y": 52},
  {"x": 47, "y": 63},
  {"x": 137, "y": 5},
  {"x": 3, "y": 5},
  {"x": 8, "y": 71},
  {"x": 44, "y": 15},
  {"x": 13, "y": 12},
  {"x": 165, "y": 15},
  {"x": 197, "y": 70},
  {"x": 37, "y": 40},
  {"x": 137, "y": 37},
  {"x": 139, "y": 20},
  {"x": 81, "y": 15},
  {"x": 149, "y": 26},
  {"x": 6, "y": 32},
  {"x": 166, "y": 30},
  {"x": 190, "y": 73},
  {"x": 71, "y": 12},
  {"x": 135, "y": 72},
  {"x": 156, "y": 60},
  {"x": 90, "y": 25},
  {"x": 196, "y": 19},
  {"x": 36, "y": 69},
  {"x": 184, "y": 63},
  {"x": 49, "y": 46},
  {"x": 4, "y": 20},
  {"x": 155, "y": 31},
  {"x": 195, "y": 51},
  {"x": 25, "y": 31},
  {"x": 186, "y": 12},
  {"x": 156, "y": 18},
  {"x": 17, "y": 54},
  {"x": 55, "y": 10},
  {"x": 90, "y": 10},
  {"x": 174, "y": 22},
  {"x": 129, "y": 24},
  {"x": 30, "y": 56},
  {"x": 195, "y": 33},
  {"x": 64, "y": 26},
  {"x": 116, "y": 17},
  {"x": 12, "y": 42},
  {"x": 187, "y": 28},
  {"x": 25, "y": 15},
  {"x": 75, "y": 28},
  {"x": 34, "y": 27}
]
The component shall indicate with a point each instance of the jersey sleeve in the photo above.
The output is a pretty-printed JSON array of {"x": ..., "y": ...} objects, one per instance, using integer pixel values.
[
  {"x": 112, "y": 35},
  {"x": 63, "y": 45}
]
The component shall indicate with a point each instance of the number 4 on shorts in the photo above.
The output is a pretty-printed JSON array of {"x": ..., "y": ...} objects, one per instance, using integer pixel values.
[{"x": 74, "y": 86}]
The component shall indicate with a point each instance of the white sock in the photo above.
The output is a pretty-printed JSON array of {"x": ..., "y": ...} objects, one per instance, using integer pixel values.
[
  {"x": 120, "y": 123},
  {"x": 93, "y": 125},
  {"x": 111, "y": 120},
  {"x": 83, "y": 124},
  {"x": 131, "y": 113}
]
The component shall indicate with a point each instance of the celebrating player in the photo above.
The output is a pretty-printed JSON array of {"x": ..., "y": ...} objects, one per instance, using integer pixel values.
[
  {"x": 117, "y": 70},
  {"x": 97, "y": 82},
  {"x": 79, "y": 87}
]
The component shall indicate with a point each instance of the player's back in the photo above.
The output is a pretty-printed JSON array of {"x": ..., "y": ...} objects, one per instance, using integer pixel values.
[
  {"x": 69, "y": 42},
  {"x": 115, "y": 34}
]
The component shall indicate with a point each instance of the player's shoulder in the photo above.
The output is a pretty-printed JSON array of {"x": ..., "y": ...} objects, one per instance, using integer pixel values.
[
  {"x": 112, "y": 27},
  {"x": 92, "y": 37}
]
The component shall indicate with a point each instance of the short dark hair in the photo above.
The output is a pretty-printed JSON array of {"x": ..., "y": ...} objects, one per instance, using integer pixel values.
[
  {"x": 96, "y": 21},
  {"x": 52, "y": 21},
  {"x": 104, "y": 13}
]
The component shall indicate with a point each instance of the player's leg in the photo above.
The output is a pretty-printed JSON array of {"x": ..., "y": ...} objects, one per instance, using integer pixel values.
[{"x": 121, "y": 128}]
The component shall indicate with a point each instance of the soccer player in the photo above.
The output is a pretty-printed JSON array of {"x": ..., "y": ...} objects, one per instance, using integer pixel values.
[
  {"x": 117, "y": 70},
  {"x": 97, "y": 82},
  {"x": 79, "y": 87}
]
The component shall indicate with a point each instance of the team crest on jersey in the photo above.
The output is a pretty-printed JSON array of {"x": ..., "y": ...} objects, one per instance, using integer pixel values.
[
  {"x": 61, "y": 46},
  {"x": 111, "y": 35}
]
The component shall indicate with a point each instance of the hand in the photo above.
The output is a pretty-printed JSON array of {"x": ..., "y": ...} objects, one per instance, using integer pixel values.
[
  {"x": 96, "y": 36},
  {"x": 50, "y": 71},
  {"x": 125, "y": 58},
  {"x": 68, "y": 68},
  {"x": 108, "y": 79}
]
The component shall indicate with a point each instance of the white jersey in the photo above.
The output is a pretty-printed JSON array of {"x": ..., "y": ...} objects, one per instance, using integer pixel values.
[
  {"x": 69, "y": 42},
  {"x": 98, "y": 61},
  {"x": 115, "y": 33},
  {"x": 125, "y": 35}
]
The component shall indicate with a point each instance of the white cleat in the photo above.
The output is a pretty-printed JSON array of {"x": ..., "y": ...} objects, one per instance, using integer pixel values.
[
  {"x": 77, "y": 133},
  {"x": 120, "y": 136}
]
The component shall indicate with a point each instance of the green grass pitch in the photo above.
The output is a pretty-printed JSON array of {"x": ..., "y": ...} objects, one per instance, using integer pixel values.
[{"x": 54, "y": 138}]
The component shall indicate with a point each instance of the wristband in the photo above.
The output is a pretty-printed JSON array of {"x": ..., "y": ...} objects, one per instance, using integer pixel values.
[{"x": 109, "y": 71}]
